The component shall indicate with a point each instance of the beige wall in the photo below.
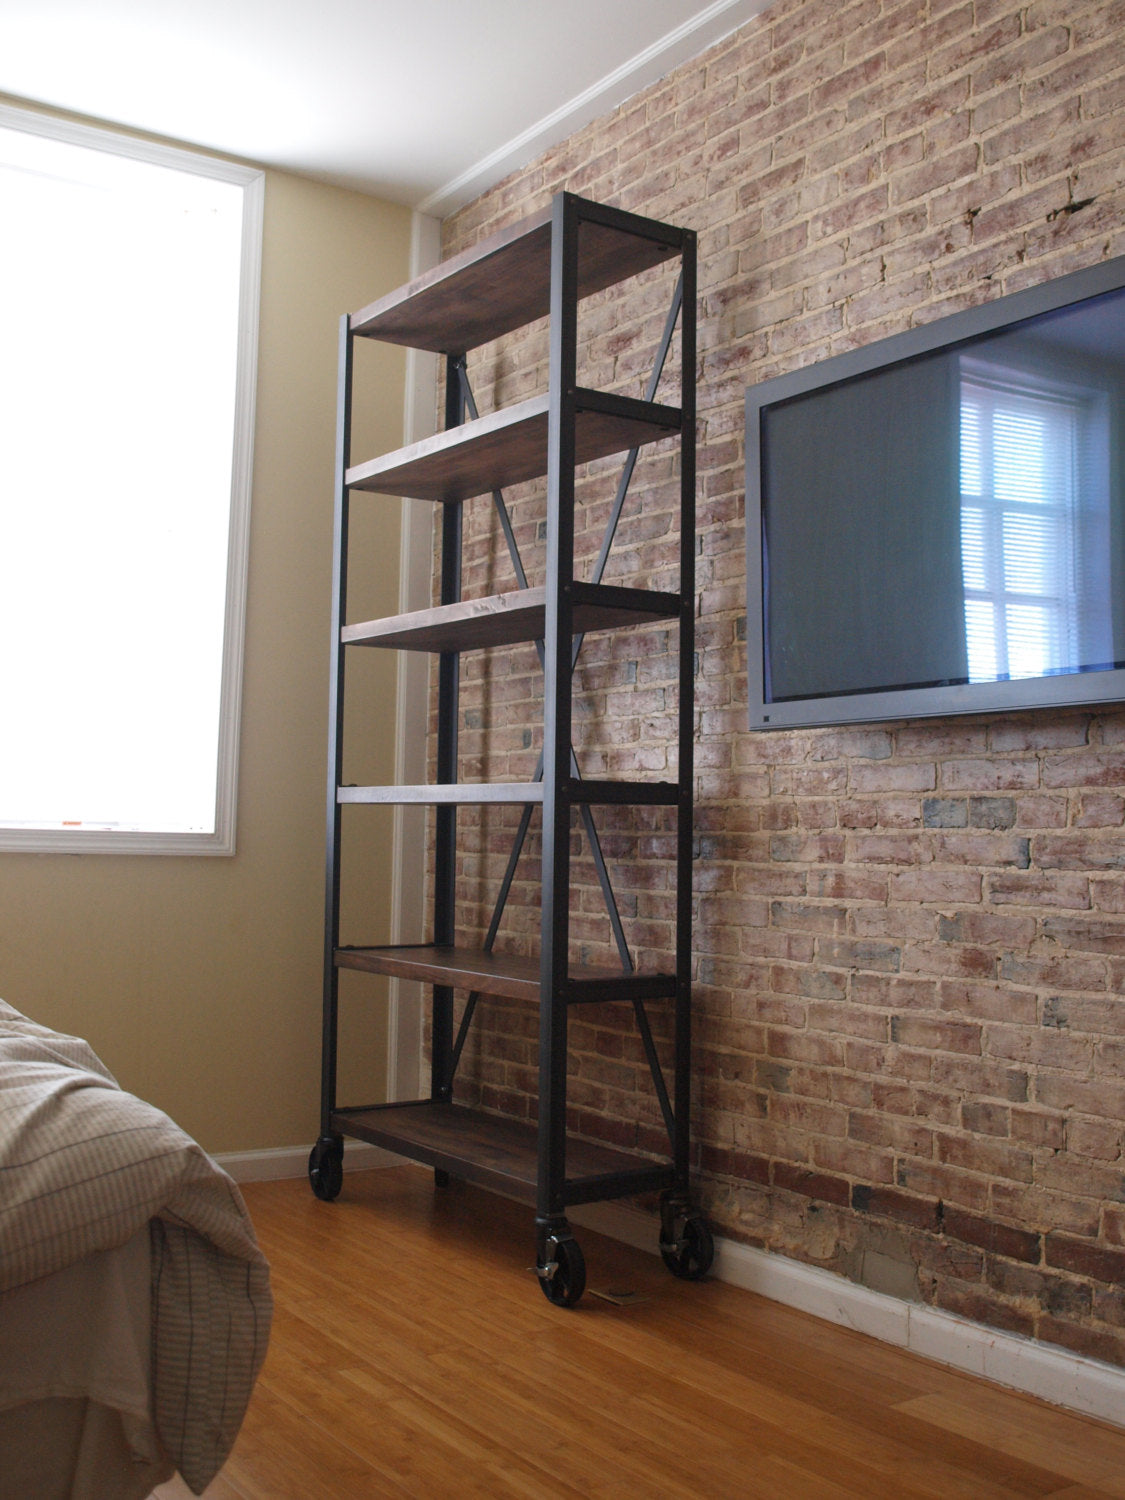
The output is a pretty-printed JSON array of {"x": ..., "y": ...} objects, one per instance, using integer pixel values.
[{"x": 198, "y": 979}]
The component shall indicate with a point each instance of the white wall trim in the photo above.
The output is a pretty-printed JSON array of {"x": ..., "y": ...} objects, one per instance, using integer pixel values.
[
  {"x": 1070, "y": 1380},
  {"x": 282, "y": 1163},
  {"x": 679, "y": 45}
]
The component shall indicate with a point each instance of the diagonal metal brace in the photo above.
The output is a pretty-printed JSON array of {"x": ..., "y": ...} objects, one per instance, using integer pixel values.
[
  {"x": 655, "y": 1069},
  {"x": 470, "y": 405}
]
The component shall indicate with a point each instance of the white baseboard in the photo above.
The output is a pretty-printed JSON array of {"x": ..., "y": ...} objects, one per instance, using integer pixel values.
[
  {"x": 282, "y": 1162},
  {"x": 1071, "y": 1380}
]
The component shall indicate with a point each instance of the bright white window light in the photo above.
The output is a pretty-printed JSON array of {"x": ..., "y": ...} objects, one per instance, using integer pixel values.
[
  {"x": 1022, "y": 524},
  {"x": 128, "y": 311}
]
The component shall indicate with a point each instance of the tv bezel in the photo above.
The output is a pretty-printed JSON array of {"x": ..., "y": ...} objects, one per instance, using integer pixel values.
[{"x": 1070, "y": 689}]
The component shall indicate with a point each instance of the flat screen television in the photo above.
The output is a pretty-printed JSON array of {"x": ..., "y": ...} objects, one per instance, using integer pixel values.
[{"x": 936, "y": 522}]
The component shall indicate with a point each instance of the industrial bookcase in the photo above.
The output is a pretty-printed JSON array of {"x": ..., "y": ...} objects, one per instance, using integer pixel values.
[{"x": 542, "y": 266}]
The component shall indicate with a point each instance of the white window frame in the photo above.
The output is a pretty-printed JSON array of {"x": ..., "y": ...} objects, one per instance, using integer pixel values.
[
  {"x": 221, "y": 841},
  {"x": 1078, "y": 537}
]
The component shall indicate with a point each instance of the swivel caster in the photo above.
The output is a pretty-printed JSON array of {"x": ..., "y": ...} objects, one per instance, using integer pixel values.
[
  {"x": 326, "y": 1168},
  {"x": 561, "y": 1267},
  {"x": 686, "y": 1246}
]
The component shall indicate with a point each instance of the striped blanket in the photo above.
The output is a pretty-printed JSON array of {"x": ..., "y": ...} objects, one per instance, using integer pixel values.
[{"x": 83, "y": 1167}]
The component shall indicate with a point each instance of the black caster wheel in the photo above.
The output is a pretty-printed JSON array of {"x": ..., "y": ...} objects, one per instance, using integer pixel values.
[
  {"x": 326, "y": 1169},
  {"x": 562, "y": 1270},
  {"x": 690, "y": 1252}
]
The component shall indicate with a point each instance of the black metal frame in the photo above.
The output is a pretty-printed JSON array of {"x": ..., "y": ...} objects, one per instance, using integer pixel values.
[
  {"x": 563, "y": 789},
  {"x": 329, "y": 1137}
]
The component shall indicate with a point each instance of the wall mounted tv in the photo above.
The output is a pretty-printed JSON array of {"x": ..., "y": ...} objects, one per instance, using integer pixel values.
[{"x": 936, "y": 522}]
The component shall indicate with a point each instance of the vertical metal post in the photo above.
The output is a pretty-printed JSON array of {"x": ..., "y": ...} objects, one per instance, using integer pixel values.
[
  {"x": 686, "y": 764},
  {"x": 328, "y": 1053},
  {"x": 445, "y": 843},
  {"x": 555, "y": 919}
]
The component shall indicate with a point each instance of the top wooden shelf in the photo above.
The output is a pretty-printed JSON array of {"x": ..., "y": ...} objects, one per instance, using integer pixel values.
[{"x": 505, "y": 281}]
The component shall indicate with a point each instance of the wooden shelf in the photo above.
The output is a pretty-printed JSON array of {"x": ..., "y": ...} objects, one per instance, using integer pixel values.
[
  {"x": 478, "y": 793},
  {"x": 510, "y": 446},
  {"x": 508, "y": 619},
  {"x": 498, "y": 1153},
  {"x": 505, "y": 282},
  {"x": 444, "y": 794},
  {"x": 512, "y": 976}
]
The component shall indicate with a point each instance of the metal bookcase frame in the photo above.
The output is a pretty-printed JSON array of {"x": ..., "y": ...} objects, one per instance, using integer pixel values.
[{"x": 554, "y": 258}]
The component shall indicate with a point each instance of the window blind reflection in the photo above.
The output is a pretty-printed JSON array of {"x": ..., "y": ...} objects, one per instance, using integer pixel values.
[{"x": 1031, "y": 516}]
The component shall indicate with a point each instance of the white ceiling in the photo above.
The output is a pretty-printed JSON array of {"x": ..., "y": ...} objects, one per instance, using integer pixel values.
[{"x": 424, "y": 102}]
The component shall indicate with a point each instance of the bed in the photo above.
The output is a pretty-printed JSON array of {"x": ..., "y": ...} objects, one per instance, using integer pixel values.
[{"x": 134, "y": 1299}]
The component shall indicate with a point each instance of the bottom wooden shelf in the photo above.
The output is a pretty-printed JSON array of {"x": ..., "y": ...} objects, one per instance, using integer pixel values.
[{"x": 498, "y": 1153}]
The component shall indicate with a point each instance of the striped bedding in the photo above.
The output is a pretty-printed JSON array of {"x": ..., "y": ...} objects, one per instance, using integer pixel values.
[{"x": 83, "y": 1167}]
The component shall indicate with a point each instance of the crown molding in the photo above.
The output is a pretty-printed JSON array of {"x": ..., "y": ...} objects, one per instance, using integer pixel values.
[{"x": 677, "y": 46}]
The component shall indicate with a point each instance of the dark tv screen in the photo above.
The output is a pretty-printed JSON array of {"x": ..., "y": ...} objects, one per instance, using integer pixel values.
[{"x": 935, "y": 522}]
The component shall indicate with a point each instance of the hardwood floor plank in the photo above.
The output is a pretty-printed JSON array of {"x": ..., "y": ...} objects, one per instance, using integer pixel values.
[
  {"x": 849, "y": 1422},
  {"x": 414, "y": 1355},
  {"x": 1054, "y": 1440}
]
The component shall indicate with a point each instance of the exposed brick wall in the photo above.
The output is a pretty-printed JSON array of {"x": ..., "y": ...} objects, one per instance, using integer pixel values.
[{"x": 910, "y": 938}]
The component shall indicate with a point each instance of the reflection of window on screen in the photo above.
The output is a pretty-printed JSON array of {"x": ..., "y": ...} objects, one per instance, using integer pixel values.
[
  {"x": 1034, "y": 527},
  {"x": 128, "y": 312}
]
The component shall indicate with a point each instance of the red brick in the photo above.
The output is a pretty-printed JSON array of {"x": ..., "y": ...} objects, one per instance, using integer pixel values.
[
  {"x": 1113, "y": 1224},
  {"x": 851, "y": 953},
  {"x": 1038, "y": 888},
  {"x": 895, "y": 993},
  {"x": 1078, "y": 851},
  {"x": 986, "y": 1118},
  {"x": 935, "y": 885},
  {"x": 986, "y": 927},
  {"x": 991, "y": 1158},
  {"x": 908, "y": 1137},
  {"x": 810, "y": 1184},
  {"x": 982, "y": 1307},
  {"x": 1039, "y": 1128},
  {"x": 890, "y": 849},
  {"x": 948, "y": 1183},
  {"x": 936, "y": 1036},
  {"x": 995, "y": 1238},
  {"x": 1106, "y": 1345},
  {"x": 1100, "y": 1139},
  {"x": 850, "y": 1158},
  {"x": 1031, "y": 733},
  {"x": 1103, "y": 768},
  {"x": 1086, "y": 934},
  {"x": 1034, "y": 1205},
  {"x": 890, "y": 1203},
  {"x": 994, "y": 774}
]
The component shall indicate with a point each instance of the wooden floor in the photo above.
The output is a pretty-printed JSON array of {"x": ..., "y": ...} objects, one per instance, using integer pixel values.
[{"x": 413, "y": 1354}]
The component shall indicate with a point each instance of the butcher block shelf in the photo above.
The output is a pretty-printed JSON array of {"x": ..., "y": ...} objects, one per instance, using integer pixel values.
[
  {"x": 511, "y": 619},
  {"x": 504, "y": 282},
  {"x": 512, "y": 976},
  {"x": 510, "y": 446},
  {"x": 499, "y": 1153}
]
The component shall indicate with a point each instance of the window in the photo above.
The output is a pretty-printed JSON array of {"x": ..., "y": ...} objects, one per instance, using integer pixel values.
[
  {"x": 128, "y": 334},
  {"x": 1034, "y": 524}
]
